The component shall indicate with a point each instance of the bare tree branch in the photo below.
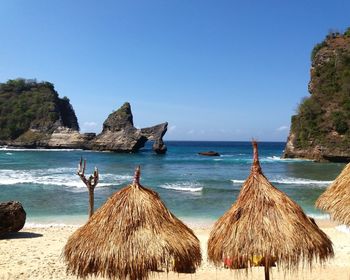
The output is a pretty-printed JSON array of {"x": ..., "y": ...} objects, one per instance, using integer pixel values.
[{"x": 90, "y": 183}]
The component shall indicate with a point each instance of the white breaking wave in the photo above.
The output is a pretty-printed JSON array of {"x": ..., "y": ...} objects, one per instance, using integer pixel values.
[
  {"x": 237, "y": 181},
  {"x": 277, "y": 158},
  {"x": 228, "y": 155},
  {"x": 291, "y": 181},
  {"x": 37, "y": 150},
  {"x": 248, "y": 159},
  {"x": 319, "y": 216},
  {"x": 185, "y": 187},
  {"x": 56, "y": 176}
]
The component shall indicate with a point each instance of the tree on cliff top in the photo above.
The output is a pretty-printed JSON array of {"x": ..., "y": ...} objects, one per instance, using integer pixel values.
[
  {"x": 26, "y": 104},
  {"x": 326, "y": 113}
]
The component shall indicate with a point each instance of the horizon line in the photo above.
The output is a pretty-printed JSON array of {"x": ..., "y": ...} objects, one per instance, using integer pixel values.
[{"x": 249, "y": 141}]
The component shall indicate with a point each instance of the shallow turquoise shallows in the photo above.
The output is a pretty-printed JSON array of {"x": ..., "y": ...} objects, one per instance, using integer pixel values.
[{"x": 194, "y": 187}]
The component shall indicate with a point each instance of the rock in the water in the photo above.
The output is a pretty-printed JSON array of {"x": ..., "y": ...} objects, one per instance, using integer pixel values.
[
  {"x": 124, "y": 141},
  {"x": 40, "y": 113},
  {"x": 12, "y": 217},
  {"x": 209, "y": 153},
  {"x": 45, "y": 120},
  {"x": 156, "y": 133},
  {"x": 159, "y": 147},
  {"x": 68, "y": 138},
  {"x": 120, "y": 135},
  {"x": 119, "y": 120}
]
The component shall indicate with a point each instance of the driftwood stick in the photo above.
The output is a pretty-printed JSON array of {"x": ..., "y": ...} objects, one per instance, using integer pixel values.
[
  {"x": 90, "y": 183},
  {"x": 137, "y": 175}
]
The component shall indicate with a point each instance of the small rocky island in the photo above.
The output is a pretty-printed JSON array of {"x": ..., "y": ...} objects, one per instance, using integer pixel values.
[
  {"x": 34, "y": 116},
  {"x": 320, "y": 129},
  {"x": 209, "y": 154}
]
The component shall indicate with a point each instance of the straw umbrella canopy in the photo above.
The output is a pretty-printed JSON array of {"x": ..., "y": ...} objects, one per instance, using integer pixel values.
[
  {"x": 336, "y": 198},
  {"x": 265, "y": 224},
  {"x": 131, "y": 236}
]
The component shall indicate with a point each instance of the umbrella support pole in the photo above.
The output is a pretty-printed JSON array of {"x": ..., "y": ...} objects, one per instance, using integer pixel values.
[{"x": 267, "y": 272}]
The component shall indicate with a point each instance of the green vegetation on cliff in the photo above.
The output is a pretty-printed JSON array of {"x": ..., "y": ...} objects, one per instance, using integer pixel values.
[
  {"x": 324, "y": 117},
  {"x": 27, "y": 104}
]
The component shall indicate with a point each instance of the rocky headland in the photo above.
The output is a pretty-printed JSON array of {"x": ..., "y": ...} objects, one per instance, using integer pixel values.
[
  {"x": 34, "y": 116},
  {"x": 120, "y": 135},
  {"x": 320, "y": 129}
]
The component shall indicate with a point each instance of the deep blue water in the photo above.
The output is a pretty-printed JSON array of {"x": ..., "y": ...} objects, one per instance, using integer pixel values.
[{"x": 193, "y": 187}]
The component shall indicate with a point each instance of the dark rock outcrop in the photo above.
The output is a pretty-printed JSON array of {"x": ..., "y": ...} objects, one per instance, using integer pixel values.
[
  {"x": 32, "y": 113},
  {"x": 12, "y": 217},
  {"x": 33, "y": 116},
  {"x": 28, "y": 104},
  {"x": 159, "y": 147},
  {"x": 321, "y": 129},
  {"x": 209, "y": 154},
  {"x": 156, "y": 133},
  {"x": 120, "y": 135},
  {"x": 67, "y": 115},
  {"x": 121, "y": 119}
]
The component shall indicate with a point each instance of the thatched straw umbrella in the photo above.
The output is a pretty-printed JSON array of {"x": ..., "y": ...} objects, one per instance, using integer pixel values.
[
  {"x": 266, "y": 225},
  {"x": 132, "y": 235},
  {"x": 336, "y": 199}
]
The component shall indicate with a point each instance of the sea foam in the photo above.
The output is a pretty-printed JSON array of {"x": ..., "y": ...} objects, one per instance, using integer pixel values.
[
  {"x": 319, "y": 216},
  {"x": 57, "y": 177},
  {"x": 184, "y": 187},
  {"x": 37, "y": 150},
  {"x": 248, "y": 160},
  {"x": 279, "y": 159},
  {"x": 291, "y": 181}
]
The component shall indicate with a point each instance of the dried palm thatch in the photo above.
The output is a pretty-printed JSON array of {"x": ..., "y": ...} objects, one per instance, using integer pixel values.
[
  {"x": 131, "y": 236},
  {"x": 336, "y": 199},
  {"x": 265, "y": 223}
]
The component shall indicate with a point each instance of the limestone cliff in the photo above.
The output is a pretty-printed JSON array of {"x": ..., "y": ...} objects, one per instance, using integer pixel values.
[
  {"x": 31, "y": 112},
  {"x": 156, "y": 133},
  {"x": 320, "y": 129},
  {"x": 33, "y": 116},
  {"x": 120, "y": 135}
]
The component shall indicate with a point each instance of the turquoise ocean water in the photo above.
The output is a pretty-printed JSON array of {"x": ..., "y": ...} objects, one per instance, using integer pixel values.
[{"x": 195, "y": 188}]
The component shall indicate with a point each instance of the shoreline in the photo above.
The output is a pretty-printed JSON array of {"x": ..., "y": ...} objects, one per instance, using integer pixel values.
[
  {"x": 192, "y": 222},
  {"x": 36, "y": 253}
]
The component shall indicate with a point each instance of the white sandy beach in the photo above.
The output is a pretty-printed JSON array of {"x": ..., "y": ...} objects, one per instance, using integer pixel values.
[{"x": 35, "y": 253}]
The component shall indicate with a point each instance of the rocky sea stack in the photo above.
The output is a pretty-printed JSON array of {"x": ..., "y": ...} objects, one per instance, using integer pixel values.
[
  {"x": 34, "y": 116},
  {"x": 320, "y": 129},
  {"x": 120, "y": 135}
]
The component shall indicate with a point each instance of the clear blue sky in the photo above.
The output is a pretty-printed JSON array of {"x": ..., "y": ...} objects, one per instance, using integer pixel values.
[{"x": 215, "y": 70}]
